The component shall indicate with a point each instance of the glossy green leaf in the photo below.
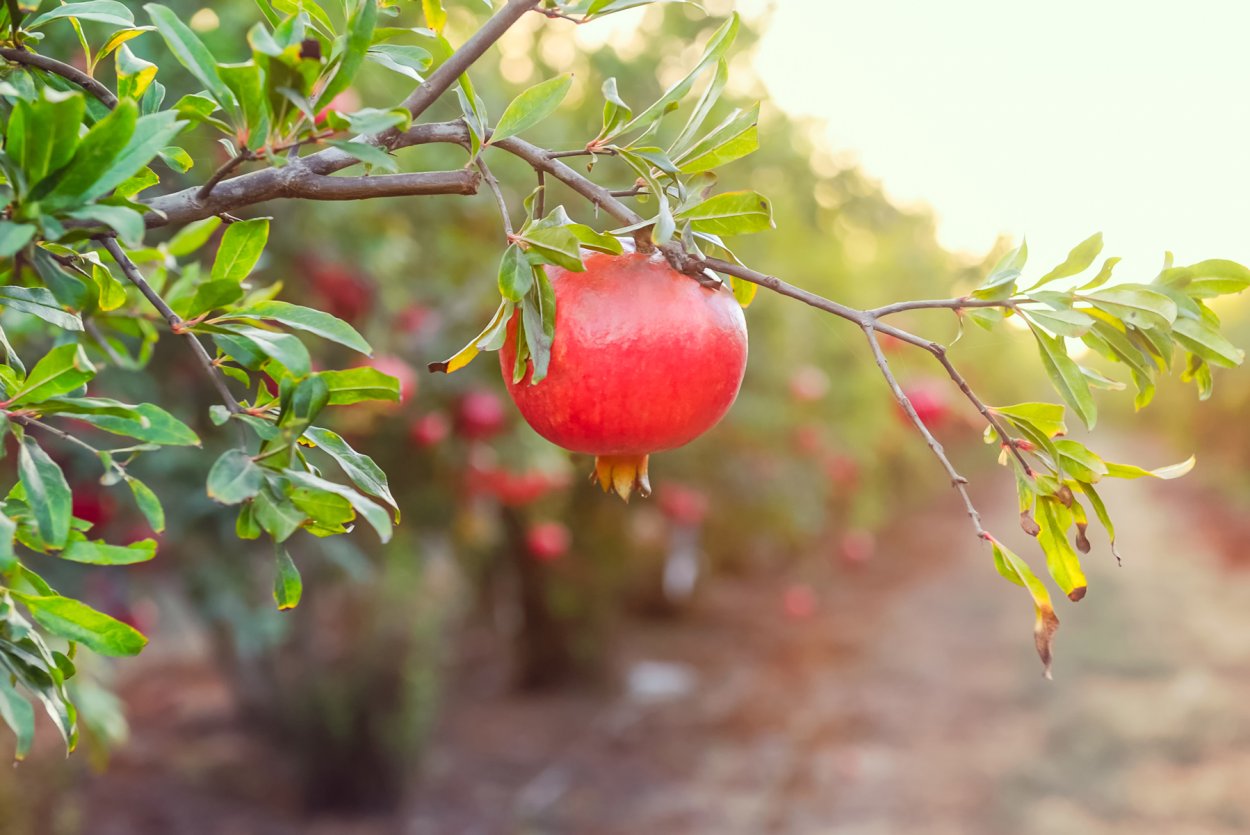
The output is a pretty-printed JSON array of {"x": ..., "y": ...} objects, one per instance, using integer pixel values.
[
  {"x": 736, "y": 137},
  {"x": 94, "y": 157},
  {"x": 1207, "y": 279},
  {"x": 133, "y": 74},
  {"x": 14, "y": 236},
  {"x": 410, "y": 61},
  {"x": 192, "y": 54},
  {"x": 369, "y": 510},
  {"x": 1078, "y": 260},
  {"x": 359, "y": 36},
  {"x": 305, "y": 319},
  {"x": 1001, "y": 282},
  {"x": 1207, "y": 342},
  {"x": 96, "y": 552},
  {"x": 234, "y": 478},
  {"x": 732, "y": 213},
  {"x": 62, "y": 370},
  {"x": 287, "y": 585},
  {"x": 39, "y": 301},
  {"x": 282, "y": 348},
  {"x": 491, "y": 335},
  {"x": 1062, "y": 560},
  {"x": 19, "y": 715},
  {"x": 360, "y": 468},
  {"x": 1066, "y": 376},
  {"x": 1047, "y": 417},
  {"x": 1066, "y": 322},
  {"x": 100, "y": 11},
  {"x": 148, "y": 502},
  {"x": 241, "y": 247},
  {"x": 516, "y": 276},
  {"x": 369, "y": 154},
  {"x": 47, "y": 492},
  {"x": 532, "y": 106},
  {"x": 78, "y": 622},
  {"x": 1167, "y": 473},
  {"x": 1136, "y": 305},
  {"x": 356, "y": 385}
]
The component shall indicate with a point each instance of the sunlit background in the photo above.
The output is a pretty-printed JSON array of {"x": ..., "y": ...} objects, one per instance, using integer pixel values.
[{"x": 527, "y": 657}]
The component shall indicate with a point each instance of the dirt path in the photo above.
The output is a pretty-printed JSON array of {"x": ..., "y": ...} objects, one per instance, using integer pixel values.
[{"x": 911, "y": 702}]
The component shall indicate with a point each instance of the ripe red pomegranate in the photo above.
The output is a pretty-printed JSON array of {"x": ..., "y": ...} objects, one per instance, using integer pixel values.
[{"x": 645, "y": 359}]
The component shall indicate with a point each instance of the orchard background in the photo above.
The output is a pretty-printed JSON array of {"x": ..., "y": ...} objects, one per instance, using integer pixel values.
[{"x": 797, "y": 632}]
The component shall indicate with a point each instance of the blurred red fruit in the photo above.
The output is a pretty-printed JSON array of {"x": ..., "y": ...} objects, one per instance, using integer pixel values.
[
  {"x": 347, "y": 101},
  {"x": 809, "y": 384},
  {"x": 416, "y": 319},
  {"x": 857, "y": 546},
  {"x": 843, "y": 471},
  {"x": 93, "y": 504},
  {"x": 547, "y": 541},
  {"x": 929, "y": 399},
  {"x": 429, "y": 429},
  {"x": 338, "y": 288},
  {"x": 808, "y": 438},
  {"x": 799, "y": 602},
  {"x": 684, "y": 505},
  {"x": 890, "y": 344},
  {"x": 513, "y": 489},
  {"x": 480, "y": 415}
]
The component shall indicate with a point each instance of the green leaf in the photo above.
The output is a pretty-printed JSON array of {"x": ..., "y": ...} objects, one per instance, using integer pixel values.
[
  {"x": 192, "y": 236},
  {"x": 127, "y": 223},
  {"x": 95, "y": 156},
  {"x": 78, "y": 622},
  {"x": 616, "y": 113},
  {"x": 1046, "y": 417},
  {"x": 435, "y": 14},
  {"x": 369, "y": 154},
  {"x": 716, "y": 48},
  {"x": 1061, "y": 558},
  {"x": 736, "y": 137},
  {"x": 1066, "y": 376},
  {"x": 1167, "y": 473},
  {"x": 1207, "y": 279},
  {"x": 410, "y": 61},
  {"x": 372, "y": 512},
  {"x": 70, "y": 289},
  {"x": 101, "y": 11},
  {"x": 1204, "y": 340},
  {"x": 149, "y": 423},
  {"x": 516, "y": 276},
  {"x": 96, "y": 552},
  {"x": 14, "y": 236},
  {"x": 8, "y": 530},
  {"x": 355, "y": 385},
  {"x": 282, "y": 348},
  {"x": 360, "y": 28},
  {"x": 1001, "y": 282},
  {"x": 531, "y": 107},
  {"x": 1135, "y": 304},
  {"x": 1079, "y": 462},
  {"x": 148, "y": 502},
  {"x": 732, "y": 213},
  {"x": 39, "y": 301},
  {"x": 47, "y": 491},
  {"x": 287, "y": 585},
  {"x": 211, "y": 295},
  {"x": 234, "y": 478},
  {"x": 276, "y": 515},
  {"x": 42, "y": 134},
  {"x": 192, "y": 54},
  {"x": 708, "y": 100},
  {"x": 1101, "y": 510},
  {"x": 1046, "y": 623},
  {"x": 305, "y": 319},
  {"x": 19, "y": 715},
  {"x": 62, "y": 370},
  {"x": 241, "y": 247},
  {"x": 1078, "y": 260},
  {"x": 133, "y": 74},
  {"x": 1066, "y": 322},
  {"x": 152, "y": 133},
  {"x": 1103, "y": 276},
  {"x": 554, "y": 245},
  {"x": 360, "y": 468}
]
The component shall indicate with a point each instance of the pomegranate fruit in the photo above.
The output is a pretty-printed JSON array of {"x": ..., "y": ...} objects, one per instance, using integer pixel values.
[
  {"x": 547, "y": 541},
  {"x": 480, "y": 415},
  {"x": 645, "y": 359},
  {"x": 929, "y": 399}
]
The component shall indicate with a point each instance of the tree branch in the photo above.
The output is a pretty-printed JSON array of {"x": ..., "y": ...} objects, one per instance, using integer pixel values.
[
  {"x": 175, "y": 321},
  {"x": 962, "y": 303},
  {"x": 957, "y": 481},
  {"x": 498, "y": 192},
  {"x": 318, "y": 187},
  {"x": 71, "y": 74}
]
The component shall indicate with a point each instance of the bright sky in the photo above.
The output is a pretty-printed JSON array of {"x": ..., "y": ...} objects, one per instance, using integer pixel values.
[{"x": 1053, "y": 120}]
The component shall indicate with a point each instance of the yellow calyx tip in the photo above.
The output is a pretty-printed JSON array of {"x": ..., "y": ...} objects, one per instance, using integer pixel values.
[{"x": 622, "y": 474}]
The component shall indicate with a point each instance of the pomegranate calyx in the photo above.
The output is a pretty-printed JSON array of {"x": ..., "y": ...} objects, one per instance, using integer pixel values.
[{"x": 623, "y": 474}]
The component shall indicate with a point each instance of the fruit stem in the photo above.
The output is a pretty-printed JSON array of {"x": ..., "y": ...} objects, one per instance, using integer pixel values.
[{"x": 623, "y": 474}]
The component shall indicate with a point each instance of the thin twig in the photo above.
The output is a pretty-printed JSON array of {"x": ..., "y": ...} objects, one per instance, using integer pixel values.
[
  {"x": 30, "y": 422},
  {"x": 992, "y": 419},
  {"x": 93, "y": 330},
  {"x": 540, "y": 197},
  {"x": 962, "y": 303},
  {"x": 493, "y": 185},
  {"x": 222, "y": 173},
  {"x": 71, "y": 74},
  {"x": 175, "y": 321},
  {"x": 957, "y": 481}
]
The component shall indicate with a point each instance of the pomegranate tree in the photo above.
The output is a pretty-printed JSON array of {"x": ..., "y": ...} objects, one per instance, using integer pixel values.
[{"x": 644, "y": 359}]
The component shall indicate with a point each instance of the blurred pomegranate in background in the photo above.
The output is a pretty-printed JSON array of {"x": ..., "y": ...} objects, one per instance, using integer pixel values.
[
  {"x": 347, "y": 101},
  {"x": 799, "y": 602},
  {"x": 930, "y": 399},
  {"x": 857, "y": 546},
  {"x": 809, "y": 384},
  {"x": 843, "y": 471},
  {"x": 808, "y": 439},
  {"x": 682, "y": 504},
  {"x": 400, "y": 370},
  {"x": 417, "y": 321},
  {"x": 93, "y": 504},
  {"x": 547, "y": 541},
  {"x": 480, "y": 415},
  {"x": 337, "y": 288},
  {"x": 429, "y": 430}
]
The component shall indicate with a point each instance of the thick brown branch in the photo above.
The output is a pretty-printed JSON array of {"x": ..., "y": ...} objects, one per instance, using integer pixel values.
[
  {"x": 71, "y": 74},
  {"x": 175, "y": 321},
  {"x": 384, "y": 185}
]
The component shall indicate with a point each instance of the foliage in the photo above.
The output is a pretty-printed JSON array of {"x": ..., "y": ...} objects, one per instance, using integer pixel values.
[{"x": 89, "y": 171}]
